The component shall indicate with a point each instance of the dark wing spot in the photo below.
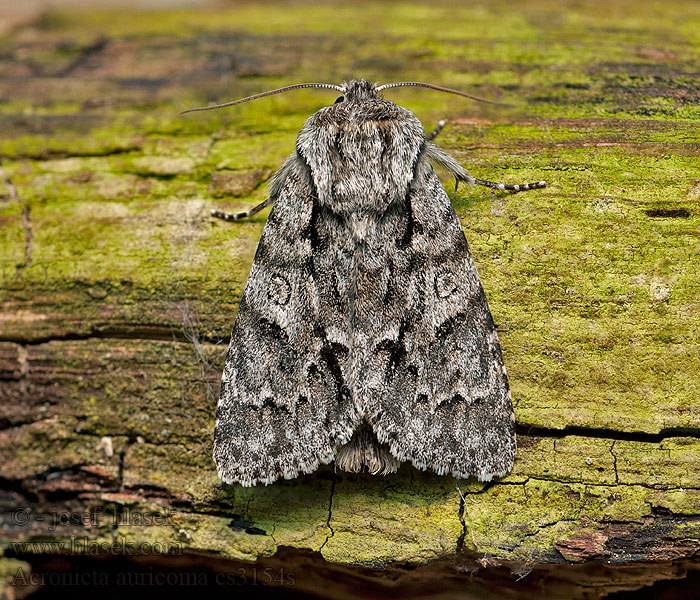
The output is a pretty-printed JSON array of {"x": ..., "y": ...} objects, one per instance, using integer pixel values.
[
  {"x": 397, "y": 355},
  {"x": 273, "y": 407},
  {"x": 390, "y": 293},
  {"x": 313, "y": 375},
  {"x": 271, "y": 330},
  {"x": 447, "y": 327},
  {"x": 332, "y": 355},
  {"x": 407, "y": 237}
]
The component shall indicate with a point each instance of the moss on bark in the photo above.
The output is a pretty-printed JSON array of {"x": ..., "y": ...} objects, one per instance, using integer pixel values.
[{"x": 117, "y": 291}]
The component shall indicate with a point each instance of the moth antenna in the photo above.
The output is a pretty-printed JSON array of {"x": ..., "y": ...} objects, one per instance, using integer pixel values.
[
  {"x": 386, "y": 86},
  {"x": 269, "y": 93}
]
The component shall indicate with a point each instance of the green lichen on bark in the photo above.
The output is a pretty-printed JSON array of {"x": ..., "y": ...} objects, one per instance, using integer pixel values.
[{"x": 118, "y": 291}]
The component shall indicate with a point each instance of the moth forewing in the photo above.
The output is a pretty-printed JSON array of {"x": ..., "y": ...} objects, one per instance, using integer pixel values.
[{"x": 363, "y": 335}]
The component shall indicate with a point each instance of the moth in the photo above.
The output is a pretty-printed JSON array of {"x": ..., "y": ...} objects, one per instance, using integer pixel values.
[{"x": 363, "y": 335}]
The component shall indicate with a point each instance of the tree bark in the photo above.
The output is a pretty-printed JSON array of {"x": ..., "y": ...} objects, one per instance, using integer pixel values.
[{"x": 118, "y": 292}]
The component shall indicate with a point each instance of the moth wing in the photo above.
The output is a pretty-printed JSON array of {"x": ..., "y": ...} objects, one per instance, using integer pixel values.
[
  {"x": 438, "y": 392},
  {"x": 283, "y": 406}
]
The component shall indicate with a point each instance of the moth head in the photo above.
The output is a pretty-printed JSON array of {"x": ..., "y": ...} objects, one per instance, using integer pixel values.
[{"x": 359, "y": 90}]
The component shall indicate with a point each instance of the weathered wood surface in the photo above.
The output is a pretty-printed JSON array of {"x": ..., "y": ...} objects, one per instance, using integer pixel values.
[{"x": 118, "y": 292}]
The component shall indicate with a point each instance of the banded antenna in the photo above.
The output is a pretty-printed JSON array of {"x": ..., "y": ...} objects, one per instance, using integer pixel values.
[
  {"x": 386, "y": 86},
  {"x": 270, "y": 93}
]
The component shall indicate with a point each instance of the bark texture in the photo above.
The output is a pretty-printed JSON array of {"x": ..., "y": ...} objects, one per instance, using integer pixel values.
[{"x": 118, "y": 292}]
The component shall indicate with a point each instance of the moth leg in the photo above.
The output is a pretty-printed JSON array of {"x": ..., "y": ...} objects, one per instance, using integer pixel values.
[
  {"x": 504, "y": 186},
  {"x": 242, "y": 215},
  {"x": 460, "y": 174},
  {"x": 435, "y": 132},
  {"x": 520, "y": 187},
  {"x": 293, "y": 162}
]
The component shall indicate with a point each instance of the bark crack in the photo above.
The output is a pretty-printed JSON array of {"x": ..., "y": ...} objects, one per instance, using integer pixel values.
[
  {"x": 156, "y": 333},
  {"x": 330, "y": 515},
  {"x": 612, "y": 451},
  {"x": 463, "y": 508},
  {"x": 460, "y": 516},
  {"x": 46, "y": 154},
  {"x": 541, "y": 526},
  {"x": 661, "y": 487},
  {"x": 603, "y": 433}
]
